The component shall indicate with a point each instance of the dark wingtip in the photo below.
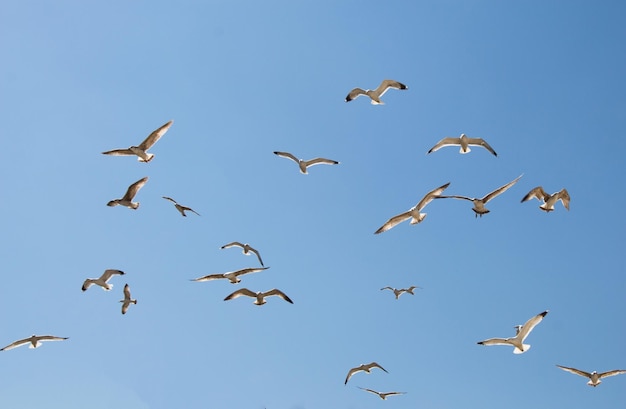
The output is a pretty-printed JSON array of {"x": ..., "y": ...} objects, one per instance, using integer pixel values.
[
  {"x": 543, "y": 314},
  {"x": 480, "y": 343}
]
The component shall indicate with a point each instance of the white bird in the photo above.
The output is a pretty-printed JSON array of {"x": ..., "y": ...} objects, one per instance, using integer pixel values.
[
  {"x": 180, "y": 207},
  {"x": 463, "y": 141},
  {"x": 518, "y": 340},
  {"x": 594, "y": 377},
  {"x": 479, "y": 204},
  {"x": 414, "y": 212},
  {"x": 127, "y": 200},
  {"x": 232, "y": 276},
  {"x": 35, "y": 341},
  {"x": 127, "y": 301},
  {"x": 382, "y": 395},
  {"x": 247, "y": 249},
  {"x": 140, "y": 151},
  {"x": 363, "y": 367},
  {"x": 377, "y": 93},
  {"x": 548, "y": 200},
  {"x": 304, "y": 164},
  {"x": 399, "y": 292},
  {"x": 259, "y": 296},
  {"x": 102, "y": 281}
]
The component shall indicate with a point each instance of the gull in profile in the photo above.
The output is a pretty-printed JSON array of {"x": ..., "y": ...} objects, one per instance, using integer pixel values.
[
  {"x": 548, "y": 200},
  {"x": 382, "y": 395},
  {"x": 140, "y": 151},
  {"x": 247, "y": 249},
  {"x": 522, "y": 332},
  {"x": 414, "y": 212},
  {"x": 35, "y": 341},
  {"x": 102, "y": 281},
  {"x": 463, "y": 141},
  {"x": 232, "y": 276},
  {"x": 363, "y": 367},
  {"x": 304, "y": 164},
  {"x": 398, "y": 292},
  {"x": 127, "y": 300},
  {"x": 479, "y": 204},
  {"x": 180, "y": 208},
  {"x": 127, "y": 200},
  {"x": 259, "y": 296},
  {"x": 594, "y": 377},
  {"x": 377, "y": 93}
]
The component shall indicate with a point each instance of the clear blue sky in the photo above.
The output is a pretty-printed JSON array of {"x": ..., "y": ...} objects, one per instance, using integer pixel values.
[{"x": 542, "y": 82}]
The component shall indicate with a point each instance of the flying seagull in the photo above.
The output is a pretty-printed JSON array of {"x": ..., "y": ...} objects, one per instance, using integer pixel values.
[
  {"x": 463, "y": 141},
  {"x": 102, "y": 281},
  {"x": 180, "y": 208},
  {"x": 247, "y": 249},
  {"x": 377, "y": 93},
  {"x": 414, "y": 212},
  {"x": 127, "y": 200},
  {"x": 382, "y": 395},
  {"x": 35, "y": 341},
  {"x": 304, "y": 164},
  {"x": 141, "y": 150},
  {"x": 479, "y": 204},
  {"x": 594, "y": 377},
  {"x": 518, "y": 340},
  {"x": 127, "y": 300},
  {"x": 398, "y": 292},
  {"x": 260, "y": 296},
  {"x": 232, "y": 276},
  {"x": 548, "y": 200},
  {"x": 363, "y": 367}
]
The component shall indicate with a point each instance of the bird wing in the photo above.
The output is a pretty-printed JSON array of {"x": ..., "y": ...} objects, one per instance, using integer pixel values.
[
  {"x": 611, "y": 373},
  {"x": 393, "y": 222},
  {"x": 563, "y": 196},
  {"x": 430, "y": 196},
  {"x": 247, "y": 271},
  {"x": 279, "y": 293},
  {"x": 386, "y": 84},
  {"x": 449, "y": 141},
  {"x": 375, "y": 365},
  {"x": 387, "y": 288},
  {"x": 350, "y": 373},
  {"x": 500, "y": 190},
  {"x": 288, "y": 156},
  {"x": 119, "y": 152},
  {"x": 454, "y": 197},
  {"x": 537, "y": 193},
  {"x": 575, "y": 371},
  {"x": 240, "y": 292},
  {"x": 134, "y": 188},
  {"x": 155, "y": 136},
  {"x": 318, "y": 161},
  {"x": 16, "y": 344},
  {"x": 126, "y": 292},
  {"x": 369, "y": 390},
  {"x": 495, "y": 341},
  {"x": 86, "y": 284},
  {"x": 233, "y": 244},
  {"x": 210, "y": 277},
  {"x": 257, "y": 255},
  {"x": 355, "y": 93},
  {"x": 529, "y": 325},
  {"x": 50, "y": 338},
  {"x": 483, "y": 143},
  {"x": 189, "y": 209},
  {"x": 125, "y": 306},
  {"x": 170, "y": 199},
  {"x": 110, "y": 273},
  {"x": 385, "y": 394}
]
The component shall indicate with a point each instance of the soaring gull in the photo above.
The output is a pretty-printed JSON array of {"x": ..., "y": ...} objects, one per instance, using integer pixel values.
[
  {"x": 518, "y": 340},
  {"x": 377, "y": 93},
  {"x": 140, "y": 151}
]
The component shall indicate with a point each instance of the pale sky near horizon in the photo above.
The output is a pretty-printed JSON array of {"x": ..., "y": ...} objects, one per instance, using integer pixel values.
[{"x": 541, "y": 82}]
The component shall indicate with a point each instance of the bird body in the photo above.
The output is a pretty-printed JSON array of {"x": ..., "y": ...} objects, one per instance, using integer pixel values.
[
  {"x": 464, "y": 142},
  {"x": 246, "y": 249},
  {"x": 141, "y": 149},
  {"x": 376, "y": 94},
  {"x": 232, "y": 276},
  {"x": 518, "y": 340},
  {"x": 127, "y": 299},
  {"x": 549, "y": 200},
  {"x": 102, "y": 281},
  {"x": 180, "y": 207},
  {"x": 367, "y": 368},
  {"x": 304, "y": 164},
  {"x": 594, "y": 377},
  {"x": 34, "y": 341},
  {"x": 259, "y": 296},
  {"x": 127, "y": 200}
]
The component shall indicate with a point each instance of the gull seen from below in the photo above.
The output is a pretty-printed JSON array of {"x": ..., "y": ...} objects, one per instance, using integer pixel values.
[
  {"x": 35, "y": 341},
  {"x": 304, "y": 164},
  {"x": 522, "y": 332},
  {"x": 398, "y": 292},
  {"x": 102, "y": 281},
  {"x": 463, "y": 141},
  {"x": 414, "y": 212},
  {"x": 127, "y": 301},
  {"x": 232, "y": 276},
  {"x": 382, "y": 395},
  {"x": 180, "y": 207},
  {"x": 247, "y": 249},
  {"x": 377, "y": 93},
  {"x": 140, "y": 151},
  {"x": 548, "y": 200},
  {"x": 127, "y": 200},
  {"x": 259, "y": 296},
  {"x": 594, "y": 377},
  {"x": 367, "y": 368}
]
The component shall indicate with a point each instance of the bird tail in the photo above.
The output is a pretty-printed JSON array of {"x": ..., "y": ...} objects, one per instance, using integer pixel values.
[
  {"x": 466, "y": 150},
  {"x": 519, "y": 351},
  {"x": 149, "y": 157},
  {"x": 134, "y": 205},
  {"x": 419, "y": 219},
  {"x": 545, "y": 208},
  {"x": 590, "y": 383},
  {"x": 37, "y": 345}
]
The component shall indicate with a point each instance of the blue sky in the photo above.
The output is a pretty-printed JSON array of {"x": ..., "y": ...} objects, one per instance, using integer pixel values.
[{"x": 542, "y": 82}]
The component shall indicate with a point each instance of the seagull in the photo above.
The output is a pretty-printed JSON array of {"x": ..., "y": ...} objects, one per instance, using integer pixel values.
[
  {"x": 594, "y": 377},
  {"x": 35, "y": 341},
  {"x": 548, "y": 200},
  {"x": 363, "y": 367},
  {"x": 414, "y": 212},
  {"x": 232, "y": 276},
  {"x": 304, "y": 164},
  {"x": 479, "y": 204},
  {"x": 180, "y": 208},
  {"x": 377, "y": 93},
  {"x": 127, "y": 300},
  {"x": 398, "y": 292},
  {"x": 140, "y": 150},
  {"x": 260, "y": 296},
  {"x": 127, "y": 200},
  {"x": 382, "y": 395},
  {"x": 464, "y": 142},
  {"x": 102, "y": 280},
  {"x": 247, "y": 249},
  {"x": 518, "y": 340}
]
